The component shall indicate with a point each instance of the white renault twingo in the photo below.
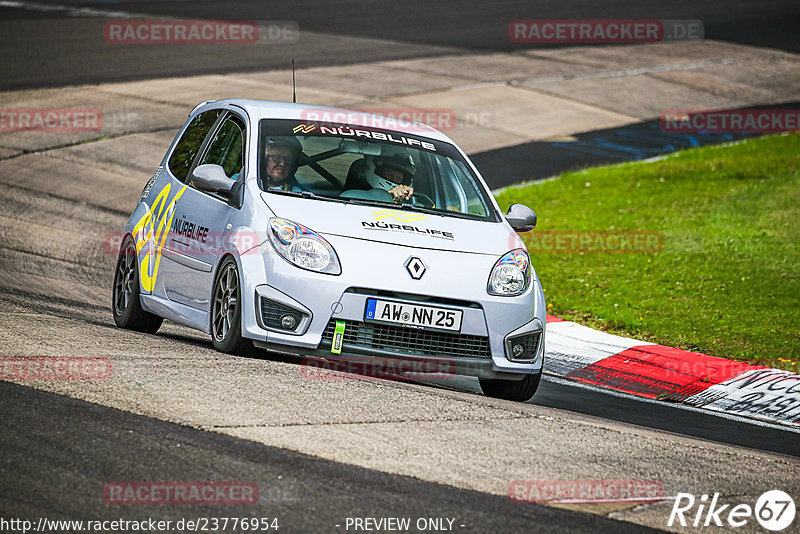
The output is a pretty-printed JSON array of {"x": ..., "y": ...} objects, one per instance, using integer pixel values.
[{"x": 355, "y": 238}]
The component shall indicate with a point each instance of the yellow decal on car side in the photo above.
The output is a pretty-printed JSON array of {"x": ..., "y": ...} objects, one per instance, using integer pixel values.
[{"x": 145, "y": 232}]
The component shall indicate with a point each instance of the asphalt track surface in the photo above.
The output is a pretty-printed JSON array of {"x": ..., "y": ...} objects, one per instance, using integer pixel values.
[
  {"x": 66, "y": 476},
  {"x": 57, "y": 452},
  {"x": 49, "y": 48}
]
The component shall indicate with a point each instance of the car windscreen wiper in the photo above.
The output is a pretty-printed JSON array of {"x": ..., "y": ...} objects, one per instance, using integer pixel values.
[
  {"x": 284, "y": 192},
  {"x": 306, "y": 194},
  {"x": 379, "y": 204},
  {"x": 366, "y": 202},
  {"x": 446, "y": 213},
  {"x": 411, "y": 207}
]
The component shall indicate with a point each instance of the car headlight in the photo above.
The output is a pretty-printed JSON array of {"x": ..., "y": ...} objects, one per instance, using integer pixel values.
[
  {"x": 303, "y": 247},
  {"x": 511, "y": 275}
]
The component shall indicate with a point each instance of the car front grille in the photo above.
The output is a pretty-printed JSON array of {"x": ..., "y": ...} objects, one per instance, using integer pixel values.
[
  {"x": 271, "y": 313},
  {"x": 410, "y": 341}
]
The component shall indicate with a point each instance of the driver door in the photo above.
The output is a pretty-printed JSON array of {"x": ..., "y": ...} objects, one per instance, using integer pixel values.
[{"x": 199, "y": 227}]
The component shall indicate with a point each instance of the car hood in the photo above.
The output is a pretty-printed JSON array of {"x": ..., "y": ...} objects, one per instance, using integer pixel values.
[{"x": 395, "y": 226}]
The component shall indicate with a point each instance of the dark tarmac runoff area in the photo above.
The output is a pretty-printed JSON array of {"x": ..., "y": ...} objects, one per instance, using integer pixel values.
[{"x": 642, "y": 140}]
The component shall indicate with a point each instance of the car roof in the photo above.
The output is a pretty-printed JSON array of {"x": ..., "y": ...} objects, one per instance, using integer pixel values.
[{"x": 271, "y": 109}]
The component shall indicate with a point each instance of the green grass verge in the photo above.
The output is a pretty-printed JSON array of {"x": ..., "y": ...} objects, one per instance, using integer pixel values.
[{"x": 727, "y": 280}]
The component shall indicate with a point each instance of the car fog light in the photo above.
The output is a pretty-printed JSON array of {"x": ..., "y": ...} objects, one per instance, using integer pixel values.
[
  {"x": 518, "y": 350},
  {"x": 288, "y": 322}
]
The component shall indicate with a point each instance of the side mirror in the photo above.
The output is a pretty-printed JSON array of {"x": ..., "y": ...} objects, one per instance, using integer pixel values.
[
  {"x": 521, "y": 218},
  {"x": 212, "y": 178}
]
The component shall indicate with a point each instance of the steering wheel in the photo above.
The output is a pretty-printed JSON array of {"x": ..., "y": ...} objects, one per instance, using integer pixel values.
[{"x": 422, "y": 200}]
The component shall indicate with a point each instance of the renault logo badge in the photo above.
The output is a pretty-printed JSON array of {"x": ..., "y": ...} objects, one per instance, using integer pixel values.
[{"x": 415, "y": 267}]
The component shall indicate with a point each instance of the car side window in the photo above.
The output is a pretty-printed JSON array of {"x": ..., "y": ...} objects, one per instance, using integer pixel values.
[
  {"x": 467, "y": 187},
  {"x": 226, "y": 148},
  {"x": 189, "y": 145}
]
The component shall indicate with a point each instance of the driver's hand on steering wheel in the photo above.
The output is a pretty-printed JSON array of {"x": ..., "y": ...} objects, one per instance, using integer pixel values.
[{"x": 401, "y": 193}]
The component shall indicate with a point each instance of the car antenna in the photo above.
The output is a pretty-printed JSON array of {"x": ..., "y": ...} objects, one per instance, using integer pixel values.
[{"x": 294, "y": 94}]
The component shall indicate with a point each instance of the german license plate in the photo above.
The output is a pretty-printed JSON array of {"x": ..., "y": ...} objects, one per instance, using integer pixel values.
[{"x": 413, "y": 315}]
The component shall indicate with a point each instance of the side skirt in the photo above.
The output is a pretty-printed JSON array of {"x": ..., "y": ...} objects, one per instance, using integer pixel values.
[{"x": 180, "y": 313}]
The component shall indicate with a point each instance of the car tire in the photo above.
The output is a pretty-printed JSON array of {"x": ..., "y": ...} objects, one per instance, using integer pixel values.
[
  {"x": 513, "y": 390},
  {"x": 226, "y": 311},
  {"x": 125, "y": 303}
]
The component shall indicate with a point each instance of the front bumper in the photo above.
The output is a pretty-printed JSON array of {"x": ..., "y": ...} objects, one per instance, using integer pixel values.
[
  {"x": 387, "y": 364},
  {"x": 480, "y": 349}
]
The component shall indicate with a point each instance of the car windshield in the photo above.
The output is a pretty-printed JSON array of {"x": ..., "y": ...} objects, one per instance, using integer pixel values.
[{"x": 362, "y": 165}]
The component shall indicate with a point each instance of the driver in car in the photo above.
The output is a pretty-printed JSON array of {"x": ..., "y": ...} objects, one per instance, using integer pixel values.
[{"x": 282, "y": 155}]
